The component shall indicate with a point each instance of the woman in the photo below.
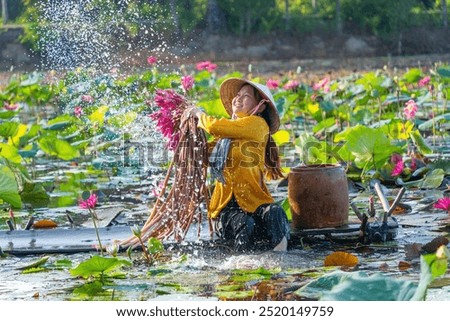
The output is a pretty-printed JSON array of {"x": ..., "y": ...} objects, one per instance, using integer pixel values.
[{"x": 241, "y": 206}]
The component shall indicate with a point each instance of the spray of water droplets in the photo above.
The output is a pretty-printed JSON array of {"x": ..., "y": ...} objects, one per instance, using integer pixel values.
[
  {"x": 101, "y": 36},
  {"x": 107, "y": 38}
]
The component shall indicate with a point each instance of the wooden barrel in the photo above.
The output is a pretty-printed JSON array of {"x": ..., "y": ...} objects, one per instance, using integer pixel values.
[{"x": 318, "y": 196}]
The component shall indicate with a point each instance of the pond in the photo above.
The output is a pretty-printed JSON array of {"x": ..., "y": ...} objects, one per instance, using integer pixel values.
[
  {"x": 202, "y": 269},
  {"x": 78, "y": 130},
  {"x": 96, "y": 129}
]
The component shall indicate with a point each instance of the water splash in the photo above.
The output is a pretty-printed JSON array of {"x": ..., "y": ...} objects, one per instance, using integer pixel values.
[
  {"x": 101, "y": 36},
  {"x": 106, "y": 39}
]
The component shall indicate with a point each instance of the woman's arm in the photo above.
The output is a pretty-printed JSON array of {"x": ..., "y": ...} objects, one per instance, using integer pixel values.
[{"x": 252, "y": 128}]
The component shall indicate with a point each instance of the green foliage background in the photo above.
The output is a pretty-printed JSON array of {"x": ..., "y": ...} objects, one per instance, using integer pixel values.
[{"x": 382, "y": 18}]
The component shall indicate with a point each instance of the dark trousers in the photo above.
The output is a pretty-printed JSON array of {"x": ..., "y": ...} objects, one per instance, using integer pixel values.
[{"x": 268, "y": 224}]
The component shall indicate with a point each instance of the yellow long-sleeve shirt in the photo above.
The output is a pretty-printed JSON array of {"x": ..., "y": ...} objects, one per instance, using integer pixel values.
[{"x": 244, "y": 168}]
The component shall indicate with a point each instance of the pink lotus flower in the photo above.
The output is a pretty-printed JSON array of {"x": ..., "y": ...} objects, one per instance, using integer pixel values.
[
  {"x": 443, "y": 203},
  {"x": 211, "y": 67},
  {"x": 424, "y": 81},
  {"x": 168, "y": 99},
  {"x": 151, "y": 60},
  {"x": 164, "y": 122},
  {"x": 187, "y": 82},
  {"x": 411, "y": 109},
  {"x": 272, "y": 84},
  {"x": 78, "y": 111},
  {"x": 398, "y": 169},
  {"x": 291, "y": 85},
  {"x": 206, "y": 65},
  {"x": 168, "y": 116},
  {"x": 322, "y": 85},
  {"x": 8, "y": 106},
  {"x": 90, "y": 202},
  {"x": 87, "y": 99}
]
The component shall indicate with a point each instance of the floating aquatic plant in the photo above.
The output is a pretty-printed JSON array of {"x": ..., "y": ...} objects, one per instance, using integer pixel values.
[
  {"x": 98, "y": 266},
  {"x": 154, "y": 247},
  {"x": 357, "y": 286}
]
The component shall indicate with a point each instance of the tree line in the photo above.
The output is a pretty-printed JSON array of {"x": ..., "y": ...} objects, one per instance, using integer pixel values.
[{"x": 244, "y": 17}]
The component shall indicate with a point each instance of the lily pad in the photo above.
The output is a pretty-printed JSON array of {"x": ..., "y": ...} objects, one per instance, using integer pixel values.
[
  {"x": 433, "y": 179},
  {"x": 340, "y": 258},
  {"x": 59, "y": 148},
  {"x": 377, "y": 287},
  {"x": 91, "y": 291},
  {"x": 35, "y": 194},
  {"x": 444, "y": 72},
  {"x": 357, "y": 286},
  {"x": 420, "y": 143},
  {"x": 315, "y": 288},
  {"x": 8, "y": 129},
  {"x": 234, "y": 295},
  {"x": 35, "y": 264},
  {"x": 281, "y": 137},
  {"x": 370, "y": 146},
  {"x": 44, "y": 224},
  {"x": 98, "y": 265},
  {"x": 427, "y": 125},
  {"x": 10, "y": 153}
]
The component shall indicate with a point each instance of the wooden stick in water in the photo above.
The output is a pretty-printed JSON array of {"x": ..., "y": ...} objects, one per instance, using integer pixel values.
[
  {"x": 394, "y": 204},
  {"x": 382, "y": 197}
]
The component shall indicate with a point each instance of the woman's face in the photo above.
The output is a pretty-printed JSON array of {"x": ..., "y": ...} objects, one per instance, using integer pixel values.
[{"x": 244, "y": 101}]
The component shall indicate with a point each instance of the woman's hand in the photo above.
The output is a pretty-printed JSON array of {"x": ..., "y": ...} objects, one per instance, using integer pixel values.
[{"x": 193, "y": 112}]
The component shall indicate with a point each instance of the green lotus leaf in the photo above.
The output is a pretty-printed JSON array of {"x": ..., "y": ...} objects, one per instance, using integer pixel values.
[
  {"x": 9, "y": 192},
  {"x": 98, "y": 265}
]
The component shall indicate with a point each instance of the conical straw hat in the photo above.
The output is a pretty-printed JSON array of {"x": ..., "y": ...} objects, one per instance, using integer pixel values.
[{"x": 231, "y": 86}]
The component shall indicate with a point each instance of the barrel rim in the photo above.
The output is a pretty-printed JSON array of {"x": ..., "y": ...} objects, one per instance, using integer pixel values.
[{"x": 312, "y": 167}]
